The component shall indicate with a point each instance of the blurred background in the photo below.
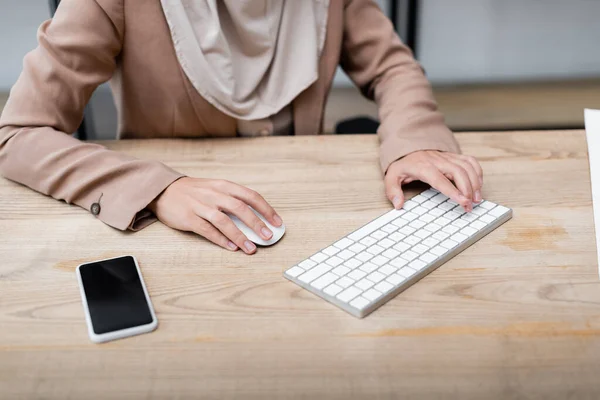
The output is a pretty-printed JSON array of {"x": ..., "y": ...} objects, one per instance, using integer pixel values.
[{"x": 494, "y": 64}]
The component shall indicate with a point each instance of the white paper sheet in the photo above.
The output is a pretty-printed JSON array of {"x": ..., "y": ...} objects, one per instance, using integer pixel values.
[{"x": 592, "y": 132}]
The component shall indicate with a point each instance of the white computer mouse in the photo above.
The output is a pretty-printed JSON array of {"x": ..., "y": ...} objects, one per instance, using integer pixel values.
[{"x": 253, "y": 236}]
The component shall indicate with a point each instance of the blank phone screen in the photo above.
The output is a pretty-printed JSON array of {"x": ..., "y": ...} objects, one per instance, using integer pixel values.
[{"x": 115, "y": 295}]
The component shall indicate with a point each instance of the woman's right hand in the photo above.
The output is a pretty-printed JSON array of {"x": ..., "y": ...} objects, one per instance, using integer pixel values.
[{"x": 199, "y": 205}]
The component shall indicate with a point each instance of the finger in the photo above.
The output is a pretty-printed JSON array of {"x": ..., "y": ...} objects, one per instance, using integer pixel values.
[
  {"x": 461, "y": 180},
  {"x": 393, "y": 190},
  {"x": 206, "y": 230},
  {"x": 471, "y": 173},
  {"x": 437, "y": 180},
  {"x": 476, "y": 166},
  {"x": 224, "y": 224},
  {"x": 255, "y": 200},
  {"x": 245, "y": 214}
]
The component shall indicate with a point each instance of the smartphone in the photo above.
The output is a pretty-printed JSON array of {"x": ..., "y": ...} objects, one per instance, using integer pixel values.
[{"x": 115, "y": 299}]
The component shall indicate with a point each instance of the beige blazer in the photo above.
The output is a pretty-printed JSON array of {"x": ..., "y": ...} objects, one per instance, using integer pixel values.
[{"x": 128, "y": 42}]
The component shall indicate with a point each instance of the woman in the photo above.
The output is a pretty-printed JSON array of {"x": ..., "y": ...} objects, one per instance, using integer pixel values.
[{"x": 214, "y": 68}]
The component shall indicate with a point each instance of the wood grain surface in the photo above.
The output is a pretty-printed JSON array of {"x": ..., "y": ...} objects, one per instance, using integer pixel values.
[{"x": 516, "y": 316}]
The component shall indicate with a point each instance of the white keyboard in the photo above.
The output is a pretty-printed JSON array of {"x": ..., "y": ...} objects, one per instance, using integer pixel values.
[{"x": 370, "y": 266}]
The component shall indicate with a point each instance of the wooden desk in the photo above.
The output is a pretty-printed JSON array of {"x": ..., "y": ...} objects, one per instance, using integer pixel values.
[{"x": 515, "y": 316}]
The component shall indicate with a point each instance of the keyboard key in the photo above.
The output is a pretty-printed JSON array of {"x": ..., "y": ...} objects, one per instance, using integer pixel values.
[
  {"x": 430, "y": 242},
  {"x": 386, "y": 243},
  {"x": 420, "y": 249},
  {"x": 400, "y": 222},
  {"x": 364, "y": 284},
  {"x": 412, "y": 240},
  {"x": 375, "y": 277},
  {"x": 324, "y": 280},
  {"x": 428, "y": 258},
  {"x": 319, "y": 257},
  {"x": 422, "y": 233},
  {"x": 294, "y": 271},
  {"x": 344, "y": 282},
  {"x": 429, "y": 205},
  {"x": 452, "y": 215},
  {"x": 488, "y": 205},
  {"x": 442, "y": 221},
  {"x": 449, "y": 244},
  {"x": 450, "y": 229},
  {"x": 368, "y": 267},
  {"x": 395, "y": 279},
  {"x": 341, "y": 270},
  {"x": 389, "y": 228},
  {"x": 407, "y": 272},
  {"x": 419, "y": 210},
  {"x": 409, "y": 205},
  {"x": 345, "y": 254},
  {"x": 375, "y": 249},
  {"x": 307, "y": 264},
  {"x": 372, "y": 294},
  {"x": 469, "y": 231},
  {"x": 459, "y": 210},
  {"x": 314, "y": 273},
  {"x": 410, "y": 216},
  {"x": 487, "y": 218},
  {"x": 364, "y": 257},
  {"x": 398, "y": 262},
  {"x": 373, "y": 225},
  {"x": 353, "y": 263},
  {"x": 478, "y": 211},
  {"x": 390, "y": 253},
  {"x": 348, "y": 294},
  {"x": 332, "y": 289},
  {"x": 427, "y": 218},
  {"x": 387, "y": 270},
  {"x": 439, "y": 250},
  {"x": 477, "y": 225},
  {"x": 441, "y": 235},
  {"x": 459, "y": 237},
  {"x": 429, "y": 193},
  {"x": 360, "y": 303},
  {"x": 368, "y": 241},
  {"x": 331, "y": 250},
  {"x": 380, "y": 260},
  {"x": 402, "y": 247},
  {"x": 384, "y": 287},
  {"x": 436, "y": 212},
  {"x": 419, "y": 198},
  {"x": 417, "y": 265},
  {"x": 446, "y": 206},
  {"x": 417, "y": 224},
  {"x": 357, "y": 274},
  {"x": 433, "y": 227},
  {"x": 379, "y": 234},
  {"x": 334, "y": 261},
  {"x": 409, "y": 255},
  {"x": 406, "y": 230},
  {"x": 460, "y": 223},
  {"x": 357, "y": 247},
  {"x": 343, "y": 243},
  {"x": 439, "y": 198},
  {"x": 450, "y": 201},
  {"x": 469, "y": 217}
]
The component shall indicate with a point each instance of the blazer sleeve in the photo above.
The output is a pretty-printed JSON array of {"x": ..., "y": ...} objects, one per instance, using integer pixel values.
[
  {"x": 77, "y": 51},
  {"x": 385, "y": 70}
]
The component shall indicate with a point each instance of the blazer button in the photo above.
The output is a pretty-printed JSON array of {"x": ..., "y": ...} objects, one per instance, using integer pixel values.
[{"x": 95, "y": 209}]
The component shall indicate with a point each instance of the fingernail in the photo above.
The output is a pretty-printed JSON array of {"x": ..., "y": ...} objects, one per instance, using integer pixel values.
[
  {"x": 266, "y": 233},
  {"x": 396, "y": 202},
  {"x": 249, "y": 246},
  {"x": 232, "y": 245},
  {"x": 278, "y": 220},
  {"x": 477, "y": 197}
]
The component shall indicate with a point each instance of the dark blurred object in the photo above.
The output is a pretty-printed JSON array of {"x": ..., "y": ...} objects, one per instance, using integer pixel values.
[
  {"x": 86, "y": 129},
  {"x": 357, "y": 125}
]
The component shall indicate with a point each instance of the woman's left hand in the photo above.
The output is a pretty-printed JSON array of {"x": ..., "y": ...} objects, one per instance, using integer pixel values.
[{"x": 457, "y": 176}]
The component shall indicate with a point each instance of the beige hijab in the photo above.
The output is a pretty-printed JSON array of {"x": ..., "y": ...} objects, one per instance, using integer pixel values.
[{"x": 249, "y": 58}]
